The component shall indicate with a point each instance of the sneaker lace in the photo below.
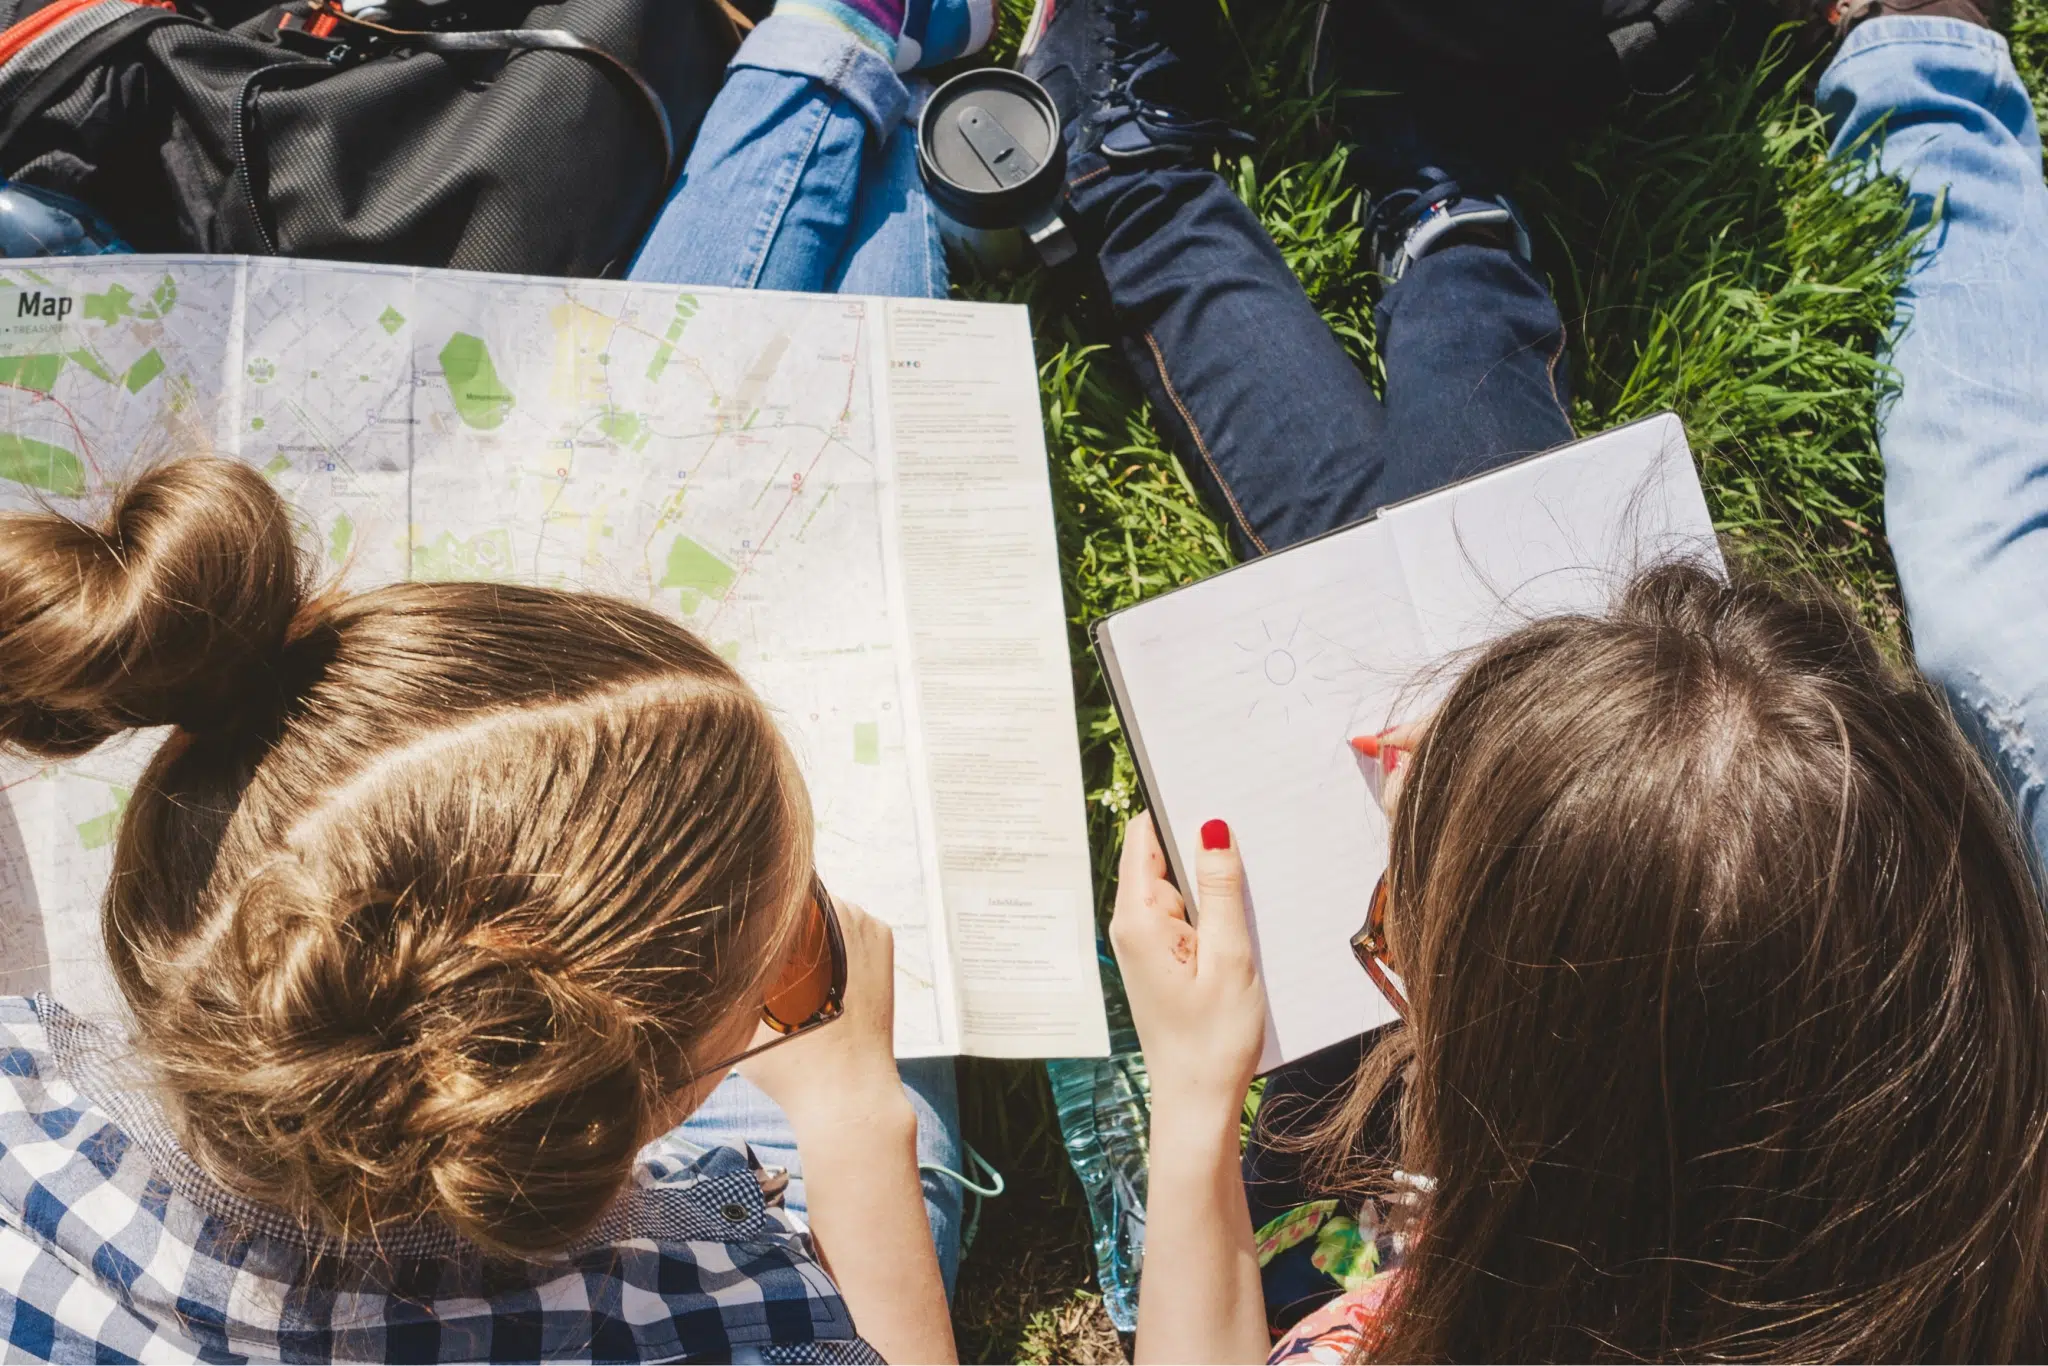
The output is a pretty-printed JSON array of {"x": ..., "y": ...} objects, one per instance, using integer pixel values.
[{"x": 1146, "y": 77}]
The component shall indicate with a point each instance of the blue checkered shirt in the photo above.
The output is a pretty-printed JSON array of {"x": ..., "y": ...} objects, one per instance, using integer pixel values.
[{"x": 115, "y": 1247}]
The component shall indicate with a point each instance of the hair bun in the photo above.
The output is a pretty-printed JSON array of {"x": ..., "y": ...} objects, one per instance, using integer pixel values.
[
  {"x": 385, "y": 1067},
  {"x": 534, "y": 1114},
  {"x": 174, "y": 611}
]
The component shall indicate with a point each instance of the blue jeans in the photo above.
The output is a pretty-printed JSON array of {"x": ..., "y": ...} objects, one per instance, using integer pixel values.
[
  {"x": 804, "y": 177},
  {"x": 740, "y": 1115},
  {"x": 1966, "y": 445},
  {"x": 1269, "y": 414}
]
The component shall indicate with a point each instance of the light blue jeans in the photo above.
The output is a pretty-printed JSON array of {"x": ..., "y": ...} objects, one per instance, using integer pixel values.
[
  {"x": 1966, "y": 445},
  {"x": 804, "y": 177},
  {"x": 740, "y": 1115}
]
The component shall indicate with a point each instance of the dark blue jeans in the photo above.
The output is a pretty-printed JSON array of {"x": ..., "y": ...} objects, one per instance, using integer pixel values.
[{"x": 1286, "y": 437}]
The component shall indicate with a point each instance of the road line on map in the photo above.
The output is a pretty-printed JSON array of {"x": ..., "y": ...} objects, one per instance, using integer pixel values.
[
  {"x": 846, "y": 407},
  {"x": 84, "y": 446}
]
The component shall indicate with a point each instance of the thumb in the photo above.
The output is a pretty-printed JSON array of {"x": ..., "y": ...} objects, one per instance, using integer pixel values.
[{"x": 1219, "y": 895}]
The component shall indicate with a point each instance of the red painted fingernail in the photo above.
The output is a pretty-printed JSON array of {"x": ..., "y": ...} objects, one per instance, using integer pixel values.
[
  {"x": 1368, "y": 745},
  {"x": 1216, "y": 835},
  {"x": 1393, "y": 761}
]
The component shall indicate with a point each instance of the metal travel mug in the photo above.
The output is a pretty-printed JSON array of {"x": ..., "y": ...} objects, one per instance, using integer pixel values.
[{"x": 990, "y": 152}]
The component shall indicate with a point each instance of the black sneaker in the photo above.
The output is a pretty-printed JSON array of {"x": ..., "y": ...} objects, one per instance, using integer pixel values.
[
  {"x": 1435, "y": 212},
  {"x": 1126, "y": 90}
]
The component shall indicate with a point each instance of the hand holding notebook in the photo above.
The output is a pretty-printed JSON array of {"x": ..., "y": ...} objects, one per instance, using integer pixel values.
[{"x": 1241, "y": 695}]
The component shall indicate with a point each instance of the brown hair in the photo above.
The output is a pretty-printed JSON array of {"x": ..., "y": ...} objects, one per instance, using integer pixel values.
[
  {"x": 424, "y": 905},
  {"x": 1730, "y": 1003}
]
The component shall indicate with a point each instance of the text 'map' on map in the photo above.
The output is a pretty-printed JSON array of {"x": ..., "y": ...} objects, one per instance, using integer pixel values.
[{"x": 846, "y": 497}]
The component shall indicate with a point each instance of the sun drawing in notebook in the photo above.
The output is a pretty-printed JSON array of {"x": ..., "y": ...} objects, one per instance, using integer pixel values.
[{"x": 1288, "y": 668}]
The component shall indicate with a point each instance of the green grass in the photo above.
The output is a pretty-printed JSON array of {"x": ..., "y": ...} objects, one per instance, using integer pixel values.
[
  {"x": 1708, "y": 258},
  {"x": 1719, "y": 265}
]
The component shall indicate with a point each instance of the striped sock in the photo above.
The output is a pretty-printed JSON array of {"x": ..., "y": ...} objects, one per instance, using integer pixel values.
[{"x": 874, "y": 22}]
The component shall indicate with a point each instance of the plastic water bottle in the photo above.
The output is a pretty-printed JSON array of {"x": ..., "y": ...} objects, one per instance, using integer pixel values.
[
  {"x": 39, "y": 222},
  {"x": 1105, "y": 1109}
]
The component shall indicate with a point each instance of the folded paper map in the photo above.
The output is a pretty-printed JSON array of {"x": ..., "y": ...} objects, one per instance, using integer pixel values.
[{"x": 847, "y": 497}]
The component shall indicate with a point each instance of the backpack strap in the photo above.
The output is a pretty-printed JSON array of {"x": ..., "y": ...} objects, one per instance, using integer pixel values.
[
  {"x": 46, "y": 52},
  {"x": 560, "y": 40},
  {"x": 456, "y": 41},
  {"x": 53, "y": 26}
]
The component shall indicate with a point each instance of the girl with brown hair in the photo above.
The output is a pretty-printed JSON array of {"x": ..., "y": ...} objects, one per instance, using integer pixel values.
[
  {"x": 439, "y": 910},
  {"x": 1724, "y": 990}
]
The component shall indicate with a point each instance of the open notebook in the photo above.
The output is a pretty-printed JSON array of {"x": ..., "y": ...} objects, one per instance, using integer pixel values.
[{"x": 1240, "y": 694}]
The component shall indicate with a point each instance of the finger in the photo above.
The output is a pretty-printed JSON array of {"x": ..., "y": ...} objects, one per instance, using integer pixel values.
[
  {"x": 1165, "y": 902},
  {"x": 1408, "y": 735},
  {"x": 1219, "y": 893},
  {"x": 1141, "y": 936},
  {"x": 1143, "y": 860},
  {"x": 1141, "y": 947},
  {"x": 1383, "y": 746},
  {"x": 1142, "y": 887},
  {"x": 1390, "y": 788},
  {"x": 1397, "y": 754},
  {"x": 1150, "y": 913},
  {"x": 1138, "y": 930}
]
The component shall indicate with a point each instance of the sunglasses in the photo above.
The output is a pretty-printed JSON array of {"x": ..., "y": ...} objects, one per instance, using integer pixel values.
[
  {"x": 811, "y": 992},
  {"x": 1369, "y": 947}
]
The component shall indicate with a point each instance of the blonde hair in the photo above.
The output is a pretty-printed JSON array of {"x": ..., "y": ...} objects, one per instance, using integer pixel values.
[{"x": 424, "y": 905}]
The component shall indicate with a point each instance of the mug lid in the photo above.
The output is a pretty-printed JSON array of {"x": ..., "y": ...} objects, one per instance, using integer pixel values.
[{"x": 989, "y": 147}]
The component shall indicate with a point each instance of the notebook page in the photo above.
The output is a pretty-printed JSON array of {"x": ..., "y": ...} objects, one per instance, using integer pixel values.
[
  {"x": 1560, "y": 533},
  {"x": 1244, "y": 693}
]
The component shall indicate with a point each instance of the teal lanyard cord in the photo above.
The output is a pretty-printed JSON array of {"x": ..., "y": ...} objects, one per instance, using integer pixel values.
[{"x": 968, "y": 1186}]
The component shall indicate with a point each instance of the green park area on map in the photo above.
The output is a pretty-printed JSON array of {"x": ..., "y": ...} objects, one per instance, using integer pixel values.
[
  {"x": 41, "y": 465},
  {"x": 481, "y": 398},
  {"x": 697, "y": 572}
]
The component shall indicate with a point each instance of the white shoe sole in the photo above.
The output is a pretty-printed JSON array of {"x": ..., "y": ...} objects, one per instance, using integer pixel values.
[{"x": 1035, "y": 29}]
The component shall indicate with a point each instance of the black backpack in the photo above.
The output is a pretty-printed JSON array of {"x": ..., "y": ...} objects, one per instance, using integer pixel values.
[
  {"x": 496, "y": 135},
  {"x": 1532, "y": 61}
]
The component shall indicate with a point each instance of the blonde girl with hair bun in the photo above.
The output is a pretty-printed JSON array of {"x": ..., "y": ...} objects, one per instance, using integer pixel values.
[{"x": 440, "y": 908}]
